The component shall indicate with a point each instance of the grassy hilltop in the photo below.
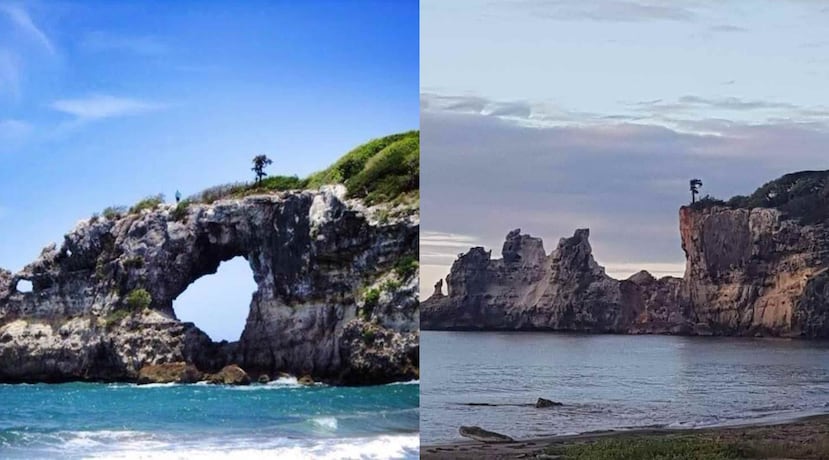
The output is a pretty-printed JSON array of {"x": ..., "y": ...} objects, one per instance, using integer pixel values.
[
  {"x": 383, "y": 170},
  {"x": 386, "y": 169},
  {"x": 802, "y": 195}
]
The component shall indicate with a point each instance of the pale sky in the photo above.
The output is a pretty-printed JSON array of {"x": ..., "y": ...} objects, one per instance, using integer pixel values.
[{"x": 550, "y": 115}]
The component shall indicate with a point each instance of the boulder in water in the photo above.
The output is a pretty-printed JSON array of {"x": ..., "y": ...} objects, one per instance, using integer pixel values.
[
  {"x": 542, "y": 403},
  {"x": 169, "y": 373},
  {"x": 230, "y": 375}
]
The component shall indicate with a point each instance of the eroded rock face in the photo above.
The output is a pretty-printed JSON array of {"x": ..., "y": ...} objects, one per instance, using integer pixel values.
[
  {"x": 753, "y": 272},
  {"x": 748, "y": 272},
  {"x": 312, "y": 254},
  {"x": 529, "y": 290}
]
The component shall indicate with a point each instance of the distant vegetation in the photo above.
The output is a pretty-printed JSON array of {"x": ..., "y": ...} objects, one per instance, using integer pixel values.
[
  {"x": 138, "y": 299},
  {"x": 406, "y": 267},
  {"x": 241, "y": 189},
  {"x": 802, "y": 195},
  {"x": 150, "y": 202},
  {"x": 382, "y": 170}
]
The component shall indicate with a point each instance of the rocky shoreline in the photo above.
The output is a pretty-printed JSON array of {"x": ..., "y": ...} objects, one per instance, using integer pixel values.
[
  {"x": 800, "y": 438},
  {"x": 749, "y": 272},
  {"x": 336, "y": 296}
]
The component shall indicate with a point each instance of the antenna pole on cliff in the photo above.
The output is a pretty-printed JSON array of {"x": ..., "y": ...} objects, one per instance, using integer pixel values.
[{"x": 695, "y": 185}]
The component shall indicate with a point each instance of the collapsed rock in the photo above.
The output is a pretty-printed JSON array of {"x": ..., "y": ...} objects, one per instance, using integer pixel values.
[
  {"x": 169, "y": 373},
  {"x": 230, "y": 375}
]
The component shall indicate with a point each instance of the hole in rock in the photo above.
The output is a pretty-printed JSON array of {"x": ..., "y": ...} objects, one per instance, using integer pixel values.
[
  {"x": 24, "y": 286},
  {"x": 218, "y": 304}
]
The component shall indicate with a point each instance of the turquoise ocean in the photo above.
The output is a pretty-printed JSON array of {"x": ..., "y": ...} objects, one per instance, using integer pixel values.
[{"x": 281, "y": 419}]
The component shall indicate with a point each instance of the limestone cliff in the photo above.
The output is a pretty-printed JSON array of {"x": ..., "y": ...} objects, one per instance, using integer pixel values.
[
  {"x": 100, "y": 307},
  {"x": 754, "y": 266},
  {"x": 754, "y": 272},
  {"x": 565, "y": 291}
]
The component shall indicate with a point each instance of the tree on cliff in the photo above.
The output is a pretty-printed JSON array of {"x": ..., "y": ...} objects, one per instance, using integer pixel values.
[
  {"x": 259, "y": 164},
  {"x": 695, "y": 185}
]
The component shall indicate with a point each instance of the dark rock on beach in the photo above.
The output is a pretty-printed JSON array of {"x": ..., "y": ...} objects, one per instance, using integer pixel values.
[
  {"x": 542, "y": 403},
  {"x": 479, "y": 434}
]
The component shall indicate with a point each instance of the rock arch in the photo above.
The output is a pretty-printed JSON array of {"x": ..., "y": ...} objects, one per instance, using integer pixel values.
[{"x": 311, "y": 254}]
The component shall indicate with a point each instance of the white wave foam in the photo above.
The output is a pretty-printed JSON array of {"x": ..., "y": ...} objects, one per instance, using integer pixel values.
[
  {"x": 329, "y": 423},
  {"x": 157, "y": 385},
  {"x": 381, "y": 447},
  {"x": 410, "y": 382},
  {"x": 279, "y": 384},
  {"x": 85, "y": 440}
]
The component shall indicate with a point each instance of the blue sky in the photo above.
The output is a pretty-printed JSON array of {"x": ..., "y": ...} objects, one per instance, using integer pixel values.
[
  {"x": 103, "y": 103},
  {"x": 550, "y": 115}
]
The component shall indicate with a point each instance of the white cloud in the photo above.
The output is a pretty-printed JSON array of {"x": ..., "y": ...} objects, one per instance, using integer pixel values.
[
  {"x": 442, "y": 239},
  {"x": 21, "y": 18},
  {"x": 9, "y": 73},
  {"x": 12, "y": 131},
  {"x": 99, "y": 106}
]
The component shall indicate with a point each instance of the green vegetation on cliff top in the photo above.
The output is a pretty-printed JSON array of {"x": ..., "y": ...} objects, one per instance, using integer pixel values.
[
  {"x": 381, "y": 170},
  {"x": 801, "y": 195}
]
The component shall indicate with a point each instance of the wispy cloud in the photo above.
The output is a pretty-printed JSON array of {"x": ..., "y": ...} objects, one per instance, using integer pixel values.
[
  {"x": 13, "y": 131},
  {"x": 442, "y": 239},
  {"x": 21, "y": 18},
  {"x": 96, "y": 107},
  {"x": 727, "y": 103},
  {"x": 624, "y": 181},
  {"x": 703, "y": 115},
  {"x": 443, "y": 248},
  {"x": 536, "y": 112},
  {"x": 727, "y": 28},
  {"x": 612, "y": 10},
  {"x": 9, "y": 73},
  {"x": 146, "y": 45}
]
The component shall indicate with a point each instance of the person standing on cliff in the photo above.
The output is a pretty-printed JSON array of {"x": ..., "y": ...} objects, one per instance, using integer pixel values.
[{"x": 178, "y": 196}]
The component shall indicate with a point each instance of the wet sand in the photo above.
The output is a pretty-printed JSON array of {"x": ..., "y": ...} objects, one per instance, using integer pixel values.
[{"x": 802, "y": 438}]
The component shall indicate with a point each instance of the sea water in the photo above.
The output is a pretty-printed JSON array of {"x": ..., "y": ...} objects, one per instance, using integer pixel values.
[
  {"x": 613, "y": 382},
  {"x": 281, "y": 419}
]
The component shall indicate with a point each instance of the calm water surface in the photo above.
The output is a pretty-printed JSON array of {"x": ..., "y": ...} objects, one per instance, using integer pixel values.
[
  {"x": 613, "y": 381},
  {"x": 278, "y": 420}
]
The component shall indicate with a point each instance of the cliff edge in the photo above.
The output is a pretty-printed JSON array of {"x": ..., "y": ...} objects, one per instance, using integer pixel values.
[
  {"x": 755, "y": 266},
  {"x": 336, "y": 277}
]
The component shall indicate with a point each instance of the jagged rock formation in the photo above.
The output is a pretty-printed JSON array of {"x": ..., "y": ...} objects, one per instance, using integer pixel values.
[
  {"x": 101, "y": 303},
  {"x": 530, "y": 290},
  {"x": 759, "y": 271}
]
